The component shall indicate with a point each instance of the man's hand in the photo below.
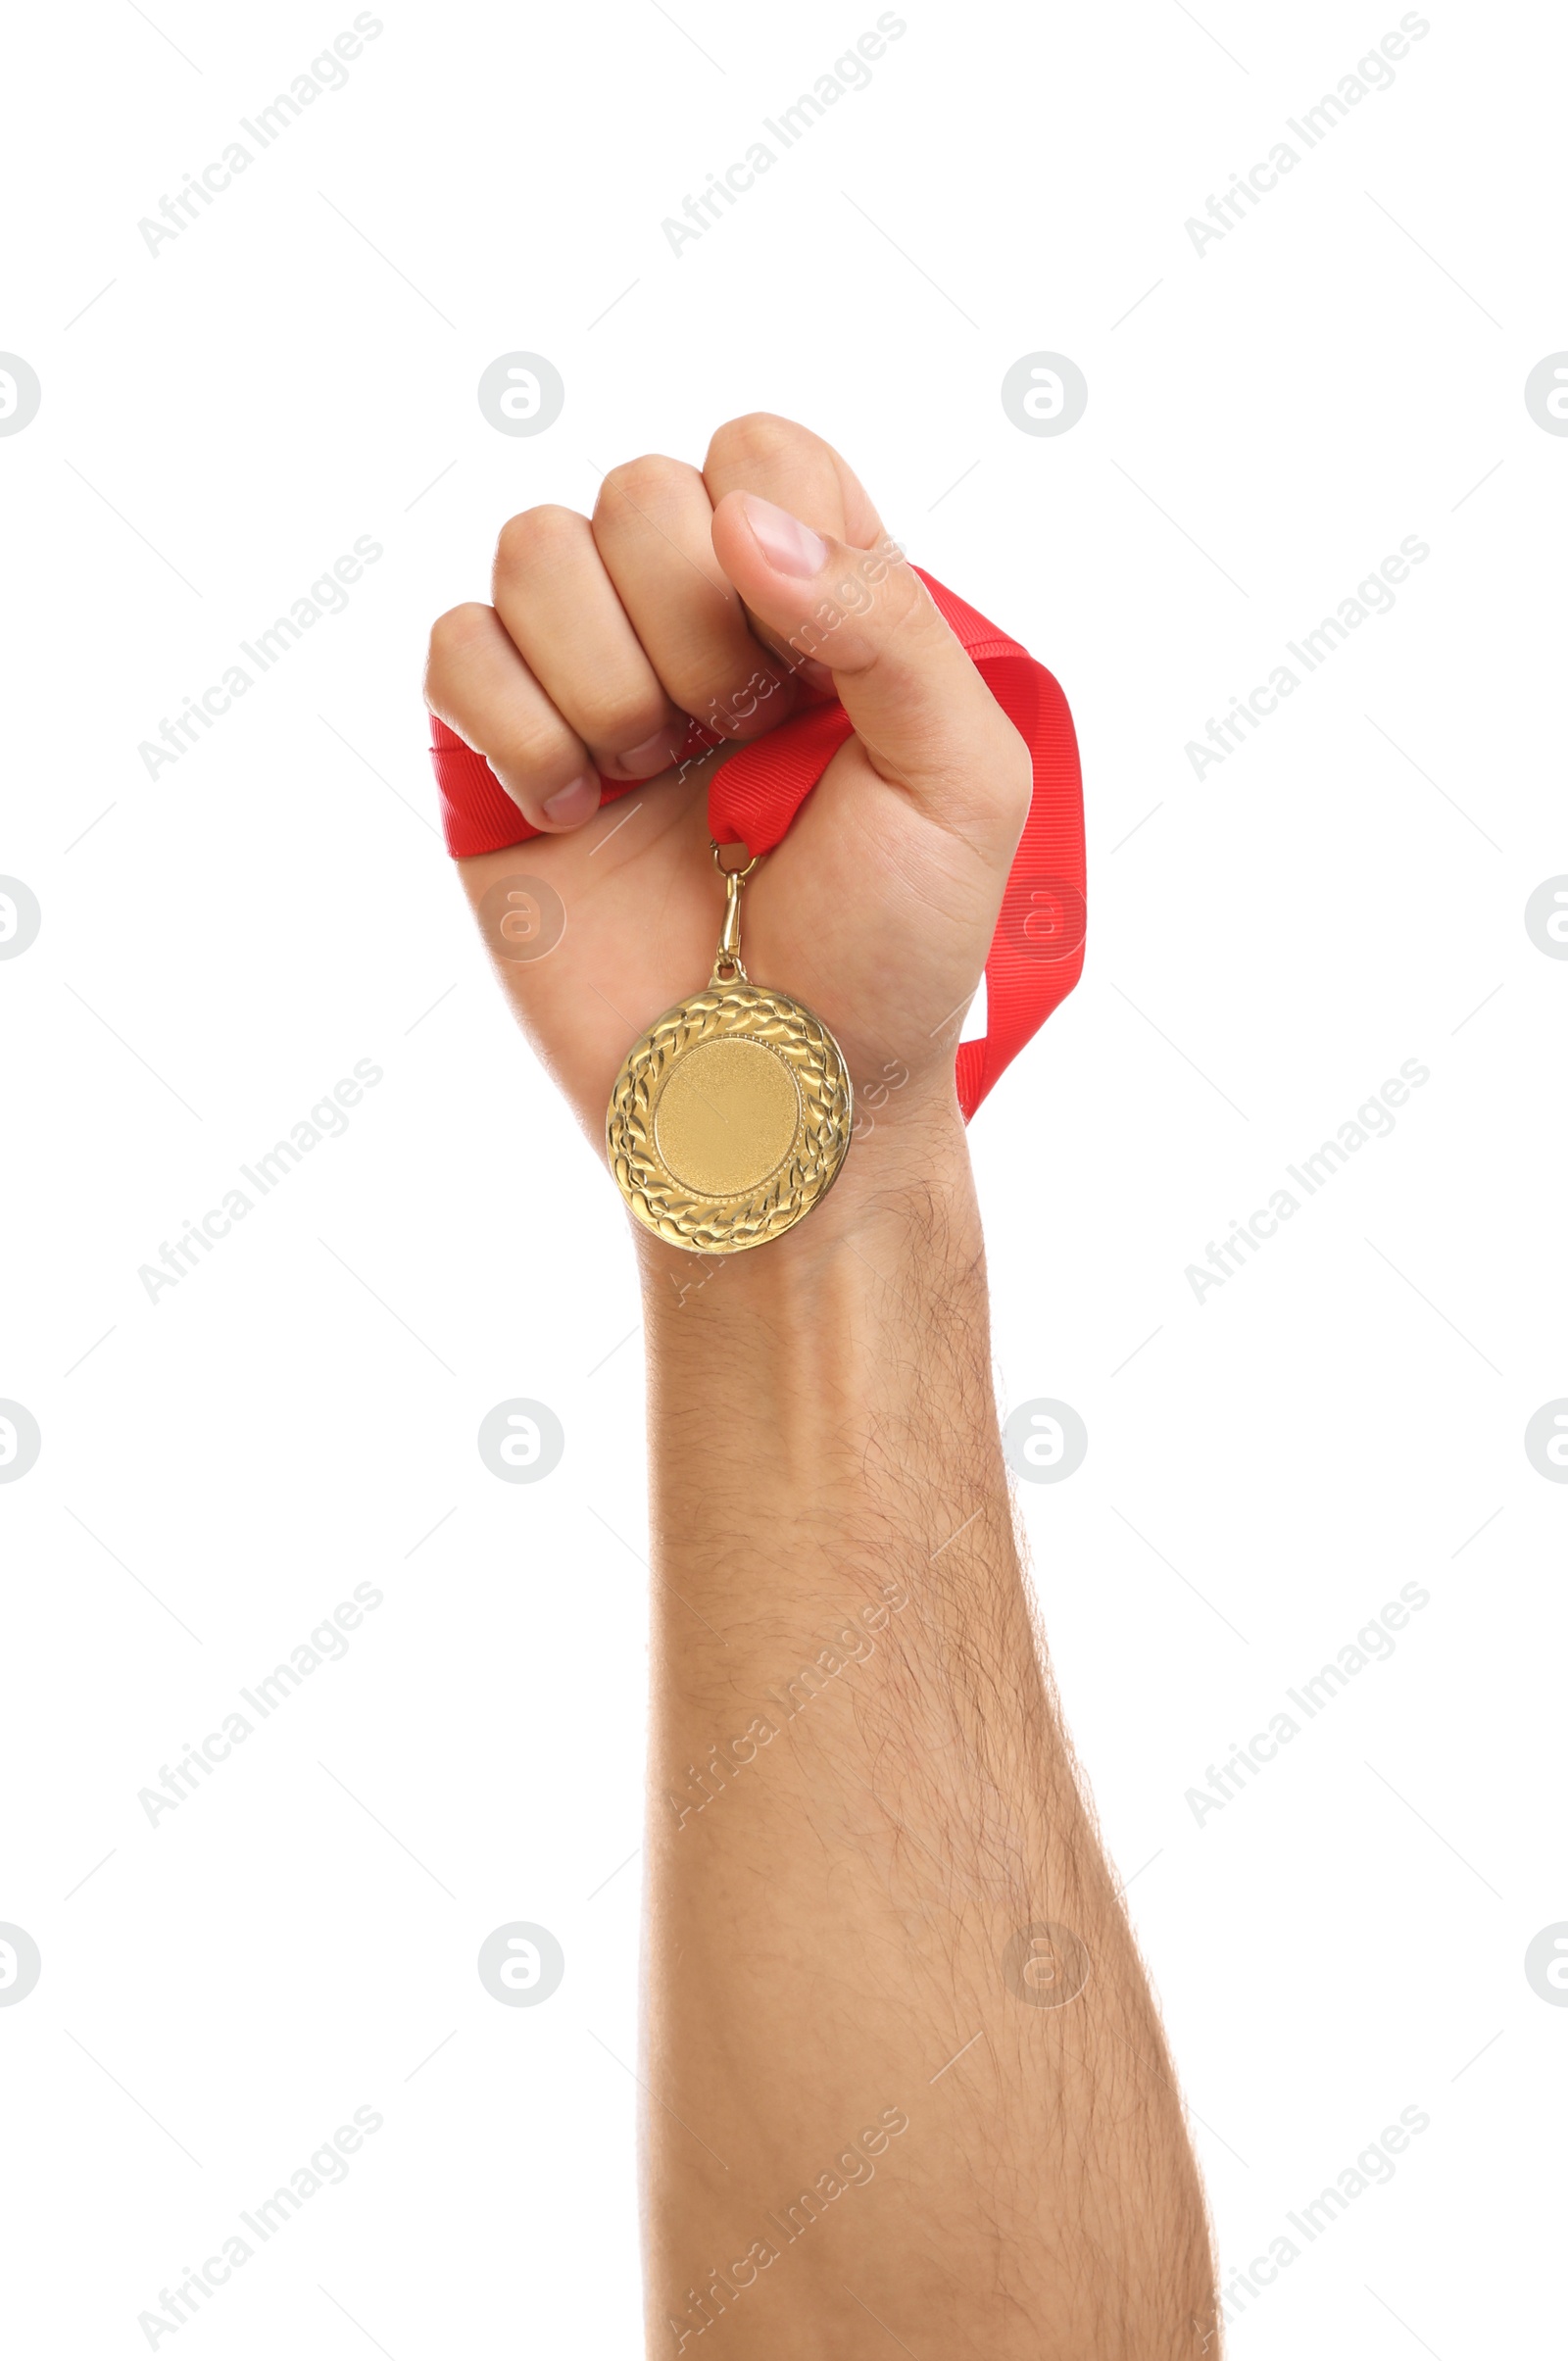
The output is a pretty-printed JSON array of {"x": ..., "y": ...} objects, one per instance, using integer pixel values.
[
  {"x": 713, "y": 594},
  {"x": 905, "y": 2078}
]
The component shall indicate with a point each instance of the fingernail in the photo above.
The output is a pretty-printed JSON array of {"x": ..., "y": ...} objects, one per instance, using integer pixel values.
[
  {"x": 789, "y": 546},
  {"x": 570, "y": 806},
  {"x": 655, "y": 754}
]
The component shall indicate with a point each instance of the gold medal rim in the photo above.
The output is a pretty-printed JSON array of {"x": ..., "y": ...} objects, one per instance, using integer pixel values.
[{"x": 729, "y": 1225}]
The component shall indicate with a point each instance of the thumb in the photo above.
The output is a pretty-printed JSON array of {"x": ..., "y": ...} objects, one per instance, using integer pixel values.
[{"x": 921, "y": 709}]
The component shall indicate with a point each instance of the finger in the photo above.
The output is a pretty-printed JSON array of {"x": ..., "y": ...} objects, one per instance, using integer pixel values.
[
  {"x": 653, "y": 525},
  {"x": 794, "y": 468},
  {"x": 919, "y": 707},
  {"x": 480, "y": 686},
  {"x": 560, "y": 610}
]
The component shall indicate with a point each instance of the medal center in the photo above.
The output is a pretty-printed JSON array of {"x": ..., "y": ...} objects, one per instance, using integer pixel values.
[{"x": 726, "y": 1117}]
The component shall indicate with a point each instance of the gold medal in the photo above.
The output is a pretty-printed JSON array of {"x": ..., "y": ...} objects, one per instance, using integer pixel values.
[{"x": 731, "y": 1117}]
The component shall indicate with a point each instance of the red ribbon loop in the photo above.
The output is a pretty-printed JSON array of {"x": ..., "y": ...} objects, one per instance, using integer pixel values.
[{"x": 1037, "y": 953}]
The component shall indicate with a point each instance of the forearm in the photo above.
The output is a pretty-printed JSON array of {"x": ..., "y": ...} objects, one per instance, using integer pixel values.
[{"x": 860, "y": 1805}]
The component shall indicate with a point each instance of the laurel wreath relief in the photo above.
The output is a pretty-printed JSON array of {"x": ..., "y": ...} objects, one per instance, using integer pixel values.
[{"x": 726, "y": 1225}]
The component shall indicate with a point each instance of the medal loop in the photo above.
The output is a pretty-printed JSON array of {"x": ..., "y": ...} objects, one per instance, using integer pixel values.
[{"x": 728, "y": 967}]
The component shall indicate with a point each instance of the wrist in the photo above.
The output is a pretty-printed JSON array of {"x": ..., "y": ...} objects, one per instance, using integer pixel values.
[
  {"x": 780, "y": 1377},
  {"x": 905, "y": 1184}
]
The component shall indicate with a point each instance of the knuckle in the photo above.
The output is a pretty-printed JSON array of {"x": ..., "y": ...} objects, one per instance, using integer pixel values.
[
  {"x": 536, "y": 537},
  {"x": 533, "y": 750},
  {"x": 652, "y": 481},
  {"x": 527, "y": 743},
  {"x": 755, "y": 439},
  {"x": 612, "y": 718},
  {"x": 460, "y": 629}
]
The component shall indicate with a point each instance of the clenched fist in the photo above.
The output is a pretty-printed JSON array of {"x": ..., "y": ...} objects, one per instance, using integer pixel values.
[{"x": 715, "y": 593}]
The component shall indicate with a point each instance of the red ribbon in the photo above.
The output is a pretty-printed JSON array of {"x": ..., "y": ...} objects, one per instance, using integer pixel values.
[{"x": 1037, "y": 953}]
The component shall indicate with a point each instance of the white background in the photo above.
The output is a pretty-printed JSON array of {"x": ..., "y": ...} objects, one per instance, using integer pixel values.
[{"x": 298, "y": 369}]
